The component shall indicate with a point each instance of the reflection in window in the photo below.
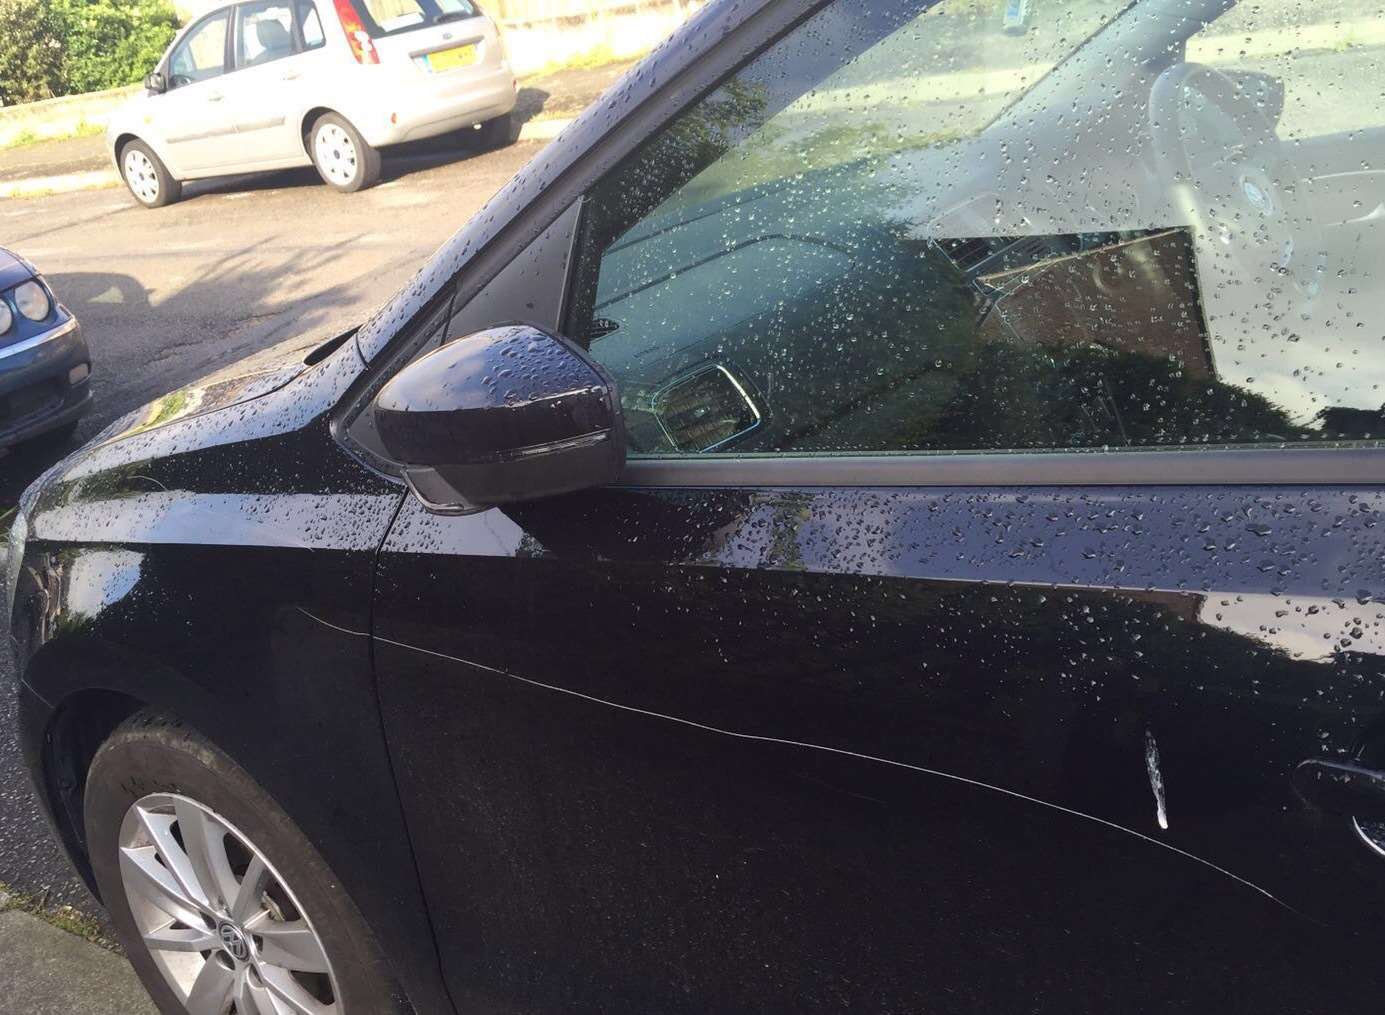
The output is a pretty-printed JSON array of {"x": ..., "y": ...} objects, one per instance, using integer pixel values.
[
  {"x": 909, "y": 230},
  {"x": 311, "y": 26},
  {"x": 264, "y": 34},
  {"x": 202, "y": 54}
]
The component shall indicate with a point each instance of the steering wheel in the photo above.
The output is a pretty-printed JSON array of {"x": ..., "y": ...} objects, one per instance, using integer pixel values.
[{"x": 1242, "y": 188}]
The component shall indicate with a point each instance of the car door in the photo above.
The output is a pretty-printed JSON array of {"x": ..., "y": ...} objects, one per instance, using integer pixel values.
[
  {"x": 278, "y": 44},
  {"x": 992, "y": 581},
  {"x": 192, "y": 118}
]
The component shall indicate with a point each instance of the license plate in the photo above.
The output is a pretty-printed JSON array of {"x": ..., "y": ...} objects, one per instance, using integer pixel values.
[{"x": 450, "y": 59}]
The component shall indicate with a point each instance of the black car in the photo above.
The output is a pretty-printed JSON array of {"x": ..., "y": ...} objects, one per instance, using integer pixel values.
[
  {"x": 882, "y": 515},
  {"x": 44, "y": 363}
]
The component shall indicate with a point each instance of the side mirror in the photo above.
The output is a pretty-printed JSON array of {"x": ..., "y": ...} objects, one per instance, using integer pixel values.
[
  {"x": 155, "y": 83},
  {"x": 503, "y": 415}
]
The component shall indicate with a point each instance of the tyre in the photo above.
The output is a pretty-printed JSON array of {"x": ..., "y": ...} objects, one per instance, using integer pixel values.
[
  {"x": 216, "y": 896},
  {"x": 343, "y": 158},
  {"x": 499, "y": 132},
  {"x": 147, "y": 177}
]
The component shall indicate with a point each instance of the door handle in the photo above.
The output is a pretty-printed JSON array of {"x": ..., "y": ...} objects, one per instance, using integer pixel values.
[
  {"x": 292, "y": 75},
  {"x": 1340, "y": 787},
  {"x": 215, "y": 97}
]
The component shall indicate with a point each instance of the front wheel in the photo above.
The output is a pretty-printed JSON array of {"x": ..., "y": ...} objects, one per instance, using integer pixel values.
[
  {"x": 220, "y": 902},
  {"x": 147, "y": 177},
  {"x": 343, "y": 158}
]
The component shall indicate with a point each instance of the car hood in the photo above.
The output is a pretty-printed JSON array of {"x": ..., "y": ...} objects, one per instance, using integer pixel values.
[
  {"x": 13, "y": 269},
  {"x": 234, "y": 384}
]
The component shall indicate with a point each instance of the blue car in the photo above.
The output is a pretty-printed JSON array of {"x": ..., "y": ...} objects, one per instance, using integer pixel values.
[{"x": 44, "y": 363}]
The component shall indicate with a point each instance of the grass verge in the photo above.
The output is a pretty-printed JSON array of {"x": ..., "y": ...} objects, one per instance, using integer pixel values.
[
  {"x": 598, "y": 56},
  {"x": 63, "y": 917},
  {"x": 28, "y": 137}
]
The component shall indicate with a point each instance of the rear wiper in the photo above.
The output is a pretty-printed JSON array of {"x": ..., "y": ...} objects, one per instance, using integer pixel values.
[{"x": 451, "y": 16}]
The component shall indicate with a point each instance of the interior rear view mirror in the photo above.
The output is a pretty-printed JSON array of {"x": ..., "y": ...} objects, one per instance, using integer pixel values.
[{"x": 507, "y": 414}]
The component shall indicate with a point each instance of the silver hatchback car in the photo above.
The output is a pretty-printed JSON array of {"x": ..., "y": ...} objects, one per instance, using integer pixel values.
[{"x": 272, "y": 84}]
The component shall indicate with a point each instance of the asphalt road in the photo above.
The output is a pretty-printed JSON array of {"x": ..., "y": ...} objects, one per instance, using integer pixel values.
[{"x": 167, "y": 296}]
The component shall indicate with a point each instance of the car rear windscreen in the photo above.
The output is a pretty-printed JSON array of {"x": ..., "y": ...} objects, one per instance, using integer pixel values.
[{"x": 389, "y": 17}]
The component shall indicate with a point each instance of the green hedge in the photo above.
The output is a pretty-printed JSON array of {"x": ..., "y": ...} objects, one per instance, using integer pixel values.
[
  {"x": 31, "y": 51},
  {"x": 67, "y": 47}
]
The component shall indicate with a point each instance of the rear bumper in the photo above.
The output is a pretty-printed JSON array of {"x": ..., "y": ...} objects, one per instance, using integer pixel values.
[
  {"x": 450, "y": 102},
  {"x": 35, "y": 392}
]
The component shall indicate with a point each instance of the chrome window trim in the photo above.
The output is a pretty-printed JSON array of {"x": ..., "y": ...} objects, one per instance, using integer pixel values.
[
  {"x": 66, "y": 328},
  {"x": 1337, "y": 466},
  {"x": 710, "y": 365}
]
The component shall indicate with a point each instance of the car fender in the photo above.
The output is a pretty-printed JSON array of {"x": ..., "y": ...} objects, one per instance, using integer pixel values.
[
  {"x": 159, "y": 569},
  {"x": 135, "y": 120}
]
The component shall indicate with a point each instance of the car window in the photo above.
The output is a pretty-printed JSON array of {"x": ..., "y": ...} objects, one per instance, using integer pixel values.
[
  {"x": 264, "y": 33},
  {"x": 1315, "y": 61},
  {"x": 976, "y": 226},
  {"x": 386, "y": 17},
  {"x": 310, "y": 25},
  {"x": 202, "y": 53}
]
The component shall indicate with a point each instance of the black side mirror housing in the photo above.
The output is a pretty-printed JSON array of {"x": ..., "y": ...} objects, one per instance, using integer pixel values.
[
  {"x": 156, "y": 83},
  {"x": 507, "y": 414}
]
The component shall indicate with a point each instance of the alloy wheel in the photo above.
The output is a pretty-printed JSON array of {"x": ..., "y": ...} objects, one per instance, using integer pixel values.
[
  {"x": 336, "y": 154},
  {"x": 141, "y": 175},
  {"x": 221, "y": 925}
]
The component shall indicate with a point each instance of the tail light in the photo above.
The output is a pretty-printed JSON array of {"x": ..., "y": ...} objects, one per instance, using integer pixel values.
[{"x": 362, "y": 48}]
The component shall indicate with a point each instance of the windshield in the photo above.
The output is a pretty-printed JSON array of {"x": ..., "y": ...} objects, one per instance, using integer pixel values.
[{"x": 935, "y": 77}]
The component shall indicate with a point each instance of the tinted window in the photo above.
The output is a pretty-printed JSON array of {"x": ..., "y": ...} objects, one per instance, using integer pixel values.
[
  {"x": 264, "y": 33},
  {"x": 386, "y": 17},
  {"x": 959, "y": 229},
  {"x": 202, "y": 53},
  {"x": 310, "y": 24}
]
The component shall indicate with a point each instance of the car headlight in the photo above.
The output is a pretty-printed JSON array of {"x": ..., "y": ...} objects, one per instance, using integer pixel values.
[
  {"x": 6, "y": 317},
  {"x": 32, "y": 301}
]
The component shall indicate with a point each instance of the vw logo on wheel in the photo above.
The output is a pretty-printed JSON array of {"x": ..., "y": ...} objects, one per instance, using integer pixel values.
[{"x": 233, "y": 941}]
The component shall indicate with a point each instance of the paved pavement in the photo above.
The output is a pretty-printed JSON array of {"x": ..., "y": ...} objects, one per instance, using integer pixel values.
[
  {"x": 72, "y": 155},
  {"x": 47, "y": 971}
]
